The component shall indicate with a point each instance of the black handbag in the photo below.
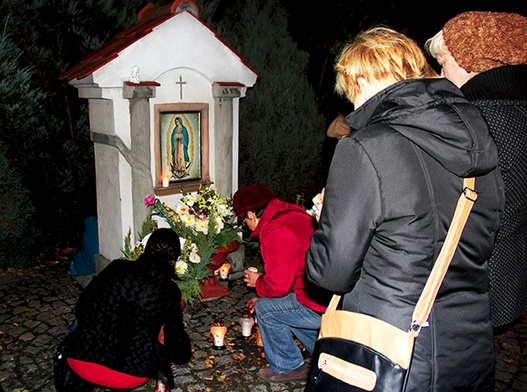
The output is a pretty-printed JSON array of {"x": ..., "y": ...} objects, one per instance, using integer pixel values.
[{"x": 358, "y": 352}]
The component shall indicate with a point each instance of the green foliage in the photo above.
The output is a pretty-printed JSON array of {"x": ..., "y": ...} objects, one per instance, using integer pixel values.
[
  {"x": 133, "y": 252},
  {"x": 300, "y": 200},
  {"x": 148, "y": 226},
  {"x": 127, "y": 249},
  {"x": 18, "y": 239},
  {"x": 44, "y": 123},
  {"x": 190, "y": 290},
  {"x": 281, "y": 131}
]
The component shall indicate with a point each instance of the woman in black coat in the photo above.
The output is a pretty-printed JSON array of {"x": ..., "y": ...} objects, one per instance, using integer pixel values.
[
  {"x": 114, "y": 342},
  {"x": 392, "y": 189},
  {"x": 485, "y": 55}
]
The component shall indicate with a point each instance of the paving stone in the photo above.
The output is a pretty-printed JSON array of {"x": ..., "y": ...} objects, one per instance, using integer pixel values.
[
  {"x": 27, "y": 361},
  {"x": 31, "y": 324},
  {"x": 15, "y": 331},
  {"x": 42, "y": 340},
  {"x": 27, "y": 337},
  {"x": 187, "y": 379},
  {"x": 37, "y": 307},
  {"x": 43, "y": 328}
]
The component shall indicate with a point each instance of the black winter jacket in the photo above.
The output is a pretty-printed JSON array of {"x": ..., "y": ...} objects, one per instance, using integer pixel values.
[
  {"x": 120, "y": 314},
  {"x": 501, "y": 95},
  {"x": 390, "y": 197}
]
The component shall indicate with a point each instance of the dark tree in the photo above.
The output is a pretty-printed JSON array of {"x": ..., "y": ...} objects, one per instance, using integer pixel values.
[
  {"x": 281, "y": 130},
  {"x": 44, "y": 124}
]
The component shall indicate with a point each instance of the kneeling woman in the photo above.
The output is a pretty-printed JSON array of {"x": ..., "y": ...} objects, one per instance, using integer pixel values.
[{"x": 115, "y": 340}]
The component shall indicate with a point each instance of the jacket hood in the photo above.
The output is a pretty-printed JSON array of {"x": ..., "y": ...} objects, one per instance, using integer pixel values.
[
  {"x": 274, "y": 206},
  {"x": 435, "y": 116}
]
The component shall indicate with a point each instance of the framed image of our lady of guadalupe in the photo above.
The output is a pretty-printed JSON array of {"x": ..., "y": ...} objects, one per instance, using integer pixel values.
[{"x": 181, "y": 144}]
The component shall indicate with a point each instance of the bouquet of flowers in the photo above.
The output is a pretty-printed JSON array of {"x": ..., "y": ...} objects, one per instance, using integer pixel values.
[{"x": 203, "y": 221}]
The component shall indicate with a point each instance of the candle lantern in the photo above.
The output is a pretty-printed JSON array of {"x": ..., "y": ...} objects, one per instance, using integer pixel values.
[
  {"x": 224, "y": 271},
  {"x": 246, "y": 322},
  {"x": 218, "y": 332}
]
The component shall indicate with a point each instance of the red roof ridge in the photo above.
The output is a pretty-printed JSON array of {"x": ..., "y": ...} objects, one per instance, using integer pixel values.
[{"x": 150, "y": 11}]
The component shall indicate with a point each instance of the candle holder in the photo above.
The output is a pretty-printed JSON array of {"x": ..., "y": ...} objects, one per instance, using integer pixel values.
[
  {"x": 246, "y": 322},
  {"x": 224, "y": 271},
  {"x": 218, "y": 332}
]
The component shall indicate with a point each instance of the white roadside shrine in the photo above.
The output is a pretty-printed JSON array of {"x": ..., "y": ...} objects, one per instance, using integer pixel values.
[{"x": 168, "y": 65}]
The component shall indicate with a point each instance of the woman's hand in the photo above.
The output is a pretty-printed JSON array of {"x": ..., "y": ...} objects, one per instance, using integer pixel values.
[
  {"x": 318, "y": 202},
  {"x": 250, "y": 303},
  {"x": 250, "y": 277}
]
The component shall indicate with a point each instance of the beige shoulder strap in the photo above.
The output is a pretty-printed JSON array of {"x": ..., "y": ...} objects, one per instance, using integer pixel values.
[
  {"x": 424, "y": 305},
  {"x": 463, "y": 208}
]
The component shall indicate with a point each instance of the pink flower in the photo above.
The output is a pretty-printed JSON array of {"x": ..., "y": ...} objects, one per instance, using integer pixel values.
[{"x": 150, "y": 200}]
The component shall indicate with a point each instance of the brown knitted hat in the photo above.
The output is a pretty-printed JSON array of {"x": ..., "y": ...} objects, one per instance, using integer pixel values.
[{"x": 481, "y": 40}]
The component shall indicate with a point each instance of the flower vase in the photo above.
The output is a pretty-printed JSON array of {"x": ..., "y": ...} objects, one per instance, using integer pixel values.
[{"x": 211, "y": 287}]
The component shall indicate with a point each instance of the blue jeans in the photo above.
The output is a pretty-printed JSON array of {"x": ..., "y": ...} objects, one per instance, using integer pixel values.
[{"x": 278, "y": 319}]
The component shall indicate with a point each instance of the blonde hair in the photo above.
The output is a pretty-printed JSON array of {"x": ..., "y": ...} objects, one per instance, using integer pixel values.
[
  {"x": 379, "y": 54},
  {"x": 436, "y": 46}
]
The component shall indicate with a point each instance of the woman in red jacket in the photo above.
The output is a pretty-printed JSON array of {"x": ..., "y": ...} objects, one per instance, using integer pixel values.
[{"x": 287, "y": 304}]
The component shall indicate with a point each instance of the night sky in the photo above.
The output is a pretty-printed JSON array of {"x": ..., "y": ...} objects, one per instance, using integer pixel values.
[{"x": 321, "y": 27}]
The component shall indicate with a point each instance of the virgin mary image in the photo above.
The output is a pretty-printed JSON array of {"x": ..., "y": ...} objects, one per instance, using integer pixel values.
[{"x": 179, "y": 144}]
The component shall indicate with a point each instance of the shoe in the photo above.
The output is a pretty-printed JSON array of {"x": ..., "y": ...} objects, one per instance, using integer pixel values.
[
  {"x": 299, "y": 374},
  {"x": 161, "y": 387}
]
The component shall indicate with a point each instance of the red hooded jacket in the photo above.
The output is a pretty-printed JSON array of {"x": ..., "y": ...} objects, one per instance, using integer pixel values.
[{"x": 284, "y": 232}]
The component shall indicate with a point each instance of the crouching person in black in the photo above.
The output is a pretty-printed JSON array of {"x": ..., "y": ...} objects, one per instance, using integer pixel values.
[{"x": 128, "y": 326}]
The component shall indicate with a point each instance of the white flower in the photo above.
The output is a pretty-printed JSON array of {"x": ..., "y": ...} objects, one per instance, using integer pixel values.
[
  {"x": 203, "y": 226},
  {"x": 222, "y": 210},
  {"x": 218, "y": 224},
  {"x": 190, "y": 199},
  {"x": 194, "y": 258},
  {"x": 188, "y": 220},
  {"x": 181, "y": 267},
  {"x": 182, "y": 209}
]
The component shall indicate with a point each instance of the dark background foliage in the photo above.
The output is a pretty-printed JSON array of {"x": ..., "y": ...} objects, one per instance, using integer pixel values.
[
  {"x": 281, "y": 130},
  {"x": 44, "y": 125},
  {"x": 46, "y": 156}
]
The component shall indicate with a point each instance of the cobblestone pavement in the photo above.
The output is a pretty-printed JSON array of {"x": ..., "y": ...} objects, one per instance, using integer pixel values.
[{"x": 36, "y": 306}]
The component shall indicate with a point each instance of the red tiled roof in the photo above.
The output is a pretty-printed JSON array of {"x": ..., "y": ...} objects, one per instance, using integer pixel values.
[{"x": 148, "y": 18}]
